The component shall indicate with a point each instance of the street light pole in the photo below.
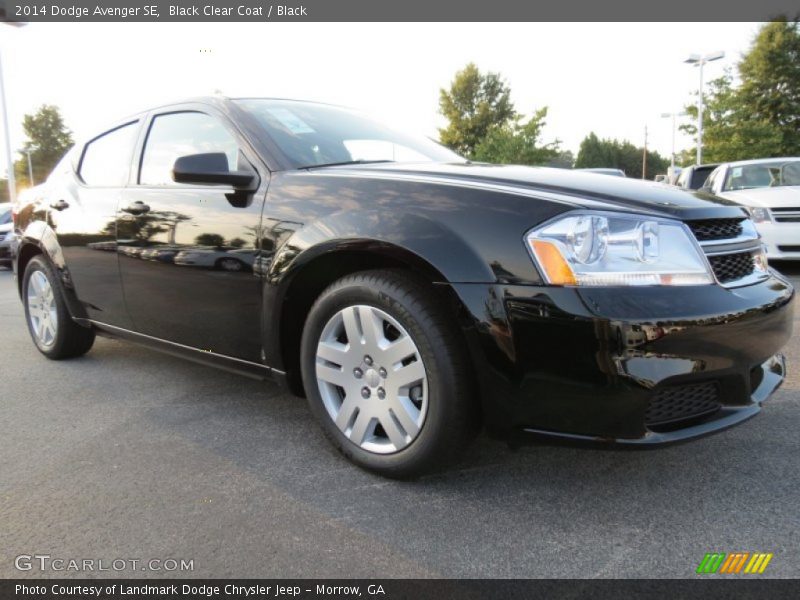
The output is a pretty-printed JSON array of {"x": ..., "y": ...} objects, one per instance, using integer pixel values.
[
  {"x": 700, "y": 61},
  {"x": 12, "y": 184},
  {"x": 674, "y": 116},
  {"x": 30, "y": 167}
]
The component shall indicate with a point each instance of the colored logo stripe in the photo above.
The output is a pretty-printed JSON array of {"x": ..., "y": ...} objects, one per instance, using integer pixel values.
[
  {"x": 720, "y": 562},
  {"x": 758, "y": 563}
]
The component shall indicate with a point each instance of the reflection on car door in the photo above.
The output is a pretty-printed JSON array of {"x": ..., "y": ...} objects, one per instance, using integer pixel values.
[{"x": 187, "y": 251}]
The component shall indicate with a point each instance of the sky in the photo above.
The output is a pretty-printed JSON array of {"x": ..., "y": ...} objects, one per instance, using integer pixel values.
[{"x": 613, "y": 79}]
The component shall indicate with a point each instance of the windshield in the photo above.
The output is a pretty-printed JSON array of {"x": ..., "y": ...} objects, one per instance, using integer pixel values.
[
  {"x": 780, "y": 172},
  {"x": 313, "y": 135}
]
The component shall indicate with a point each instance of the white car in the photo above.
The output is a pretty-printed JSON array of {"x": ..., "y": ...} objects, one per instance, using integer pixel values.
[
  {"x": 217, "y": 258},
  {"x": 770, "y": 190}
]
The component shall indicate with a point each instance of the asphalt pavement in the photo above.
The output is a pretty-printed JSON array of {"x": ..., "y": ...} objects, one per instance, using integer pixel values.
[{"x": 129, "y": 454}]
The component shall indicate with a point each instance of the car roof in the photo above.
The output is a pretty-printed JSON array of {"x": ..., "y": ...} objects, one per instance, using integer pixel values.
[{"x": 757, "y": 161}]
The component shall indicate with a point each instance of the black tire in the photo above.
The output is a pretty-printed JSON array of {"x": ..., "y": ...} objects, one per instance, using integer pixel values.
[
  {"x": 70, "y": 339},
  {"x": 452, "y": 416}
]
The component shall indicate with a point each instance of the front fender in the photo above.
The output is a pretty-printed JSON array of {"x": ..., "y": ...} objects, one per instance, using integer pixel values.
[{"x": 417, "y": 237}]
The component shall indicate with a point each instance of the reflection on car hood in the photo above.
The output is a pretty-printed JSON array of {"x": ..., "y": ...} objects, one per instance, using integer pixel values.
[
  {"x": 581, "y": 188},
  {"x": 6, "y": 228},
  {"x": 770, "y": 197}
]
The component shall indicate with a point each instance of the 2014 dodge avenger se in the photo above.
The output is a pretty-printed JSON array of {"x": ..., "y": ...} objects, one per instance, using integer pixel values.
[{"x": 410, "y": 295}]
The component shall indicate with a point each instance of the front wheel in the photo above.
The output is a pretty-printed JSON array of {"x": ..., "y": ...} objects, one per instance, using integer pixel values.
[
  {"x": 52, "y": 329},
  {"x": 386, "y": 374}
]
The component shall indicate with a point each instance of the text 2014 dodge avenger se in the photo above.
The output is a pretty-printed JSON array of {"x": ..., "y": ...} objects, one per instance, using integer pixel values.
[{"x": 410, "y": 295}]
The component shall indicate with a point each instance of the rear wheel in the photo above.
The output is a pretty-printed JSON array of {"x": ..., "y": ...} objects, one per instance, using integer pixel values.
[
  {"x": 386, "y": 374},
  {"x": 52, "y": 329}
]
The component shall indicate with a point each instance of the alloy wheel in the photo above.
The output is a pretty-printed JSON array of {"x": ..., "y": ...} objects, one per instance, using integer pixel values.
[{"x": 42, "y": 312}]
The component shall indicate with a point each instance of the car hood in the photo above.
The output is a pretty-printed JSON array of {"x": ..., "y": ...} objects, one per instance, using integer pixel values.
[
  {"x": 6, "y": 228},
  {"x": 770, "y": 197},
  {"x": 579, "y": 188}
]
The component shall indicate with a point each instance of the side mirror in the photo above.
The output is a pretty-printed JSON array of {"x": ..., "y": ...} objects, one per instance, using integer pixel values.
[{"x": 209, "y": 168}]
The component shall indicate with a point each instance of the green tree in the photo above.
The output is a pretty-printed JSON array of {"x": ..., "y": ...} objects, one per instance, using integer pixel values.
[
  {"x": 770, "y": 89},
  {"x": 517, "y": 142},
  {"x": 760, "y": 117},
  {"x": 616, "y": 154},
  {"x": 474, "y": 104},
  {"x": 48, "y": 140},
  {"x": 210, "y": 239},
  {"x": 565, "y": 159}
]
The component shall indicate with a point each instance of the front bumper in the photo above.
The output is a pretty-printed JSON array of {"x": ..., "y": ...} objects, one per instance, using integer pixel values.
[
  {"x": 629, "y": 365},
  {"x": 782, "y": 240}
]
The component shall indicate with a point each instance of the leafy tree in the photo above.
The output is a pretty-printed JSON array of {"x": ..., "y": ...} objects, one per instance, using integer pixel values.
[
  {"x": 565, "y": 159},
  {"x": 237, "y": 242},
  {"x": 48, "y": 140},
  {"x": 760, "y": 117},
  {"x": 517, "y": 143},
  {"x": 474, "y": 104},
  {"x": 210, "y": 239},
  {"x": 616, "y": 154},
  {"x": 770, "y": 74}
]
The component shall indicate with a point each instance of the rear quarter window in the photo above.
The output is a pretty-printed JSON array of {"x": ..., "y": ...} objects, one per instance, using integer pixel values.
[{"x": 106, "y": 159}]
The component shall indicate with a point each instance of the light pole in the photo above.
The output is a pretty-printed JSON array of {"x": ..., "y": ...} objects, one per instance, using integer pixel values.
[
  {"x": 674, "y": 116},
  {"x": 30, "y": 164},
  {"x": 700, "y": 61},
  {"x": 12, "y": 184}
]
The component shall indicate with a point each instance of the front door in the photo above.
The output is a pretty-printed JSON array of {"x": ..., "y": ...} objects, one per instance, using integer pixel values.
[{"x": 187, "y": 251}]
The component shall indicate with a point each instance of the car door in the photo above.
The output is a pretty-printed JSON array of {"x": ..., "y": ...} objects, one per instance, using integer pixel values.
[
  {"x": 187, "y": 251},
  {"x": 83, "y": 195}
]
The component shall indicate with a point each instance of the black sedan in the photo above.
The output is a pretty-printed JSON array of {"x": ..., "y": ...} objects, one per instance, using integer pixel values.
[{"x": 410, "y": 295}]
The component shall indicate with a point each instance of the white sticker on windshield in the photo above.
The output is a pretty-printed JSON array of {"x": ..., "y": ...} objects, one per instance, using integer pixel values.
[
  {"x": 290, "y": 120},
  {"x": 737, "y": 172}
]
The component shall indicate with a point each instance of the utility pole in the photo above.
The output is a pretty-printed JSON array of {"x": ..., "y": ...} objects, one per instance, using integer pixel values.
[{"x": 644, "y": 155}]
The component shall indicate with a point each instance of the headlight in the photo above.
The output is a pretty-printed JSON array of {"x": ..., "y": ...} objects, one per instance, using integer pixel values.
[
  {"x": 596, "y": 249},
  {"x": 760, "y": 215}
]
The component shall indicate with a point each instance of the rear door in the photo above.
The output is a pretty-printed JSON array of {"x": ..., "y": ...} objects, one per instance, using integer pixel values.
[
  {"x": 187, "y": 251},
  {"x": 82, "y": 208}
]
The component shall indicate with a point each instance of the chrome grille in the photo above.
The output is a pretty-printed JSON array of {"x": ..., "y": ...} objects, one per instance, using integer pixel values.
[
  {"x": 731, "y": 267},
  {"x": 716, "y": 229},
  {"x": 732, "y": 247},
  {"x": 786, "y": 215}
]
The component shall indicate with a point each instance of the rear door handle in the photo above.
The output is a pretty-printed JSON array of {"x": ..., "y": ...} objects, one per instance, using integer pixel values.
[
  {"x": 136, "y": 208},
  {"x": 60, "y": 205}
]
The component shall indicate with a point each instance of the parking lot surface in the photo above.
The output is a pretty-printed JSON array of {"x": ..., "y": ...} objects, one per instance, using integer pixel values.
[{"x": 131, "y": 454}]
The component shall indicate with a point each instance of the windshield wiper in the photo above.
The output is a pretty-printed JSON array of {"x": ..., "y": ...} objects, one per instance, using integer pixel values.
[{"x": 346, "y": 162}]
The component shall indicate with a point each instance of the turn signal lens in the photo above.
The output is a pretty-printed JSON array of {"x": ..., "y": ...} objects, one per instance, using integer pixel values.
[{"x": 557, "y": 270}]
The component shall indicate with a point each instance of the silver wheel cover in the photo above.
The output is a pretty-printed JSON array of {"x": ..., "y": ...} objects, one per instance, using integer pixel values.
[
  {"x": 42, "y": 313},
  {"x": 372, "y": 380}
]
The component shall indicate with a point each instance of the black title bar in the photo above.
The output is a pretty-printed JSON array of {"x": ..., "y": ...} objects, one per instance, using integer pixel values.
[
  {"x": 261, "y": 11},
  {"x": 394, "y": 589}
]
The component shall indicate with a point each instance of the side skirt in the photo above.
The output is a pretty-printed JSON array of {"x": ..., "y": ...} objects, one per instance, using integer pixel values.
[{"x": 220, "y": 361}]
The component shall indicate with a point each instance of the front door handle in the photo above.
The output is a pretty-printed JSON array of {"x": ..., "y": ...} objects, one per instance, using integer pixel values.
[
  {"x": 60, "y": 205},
  {"x": 137, "y": 208}
]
